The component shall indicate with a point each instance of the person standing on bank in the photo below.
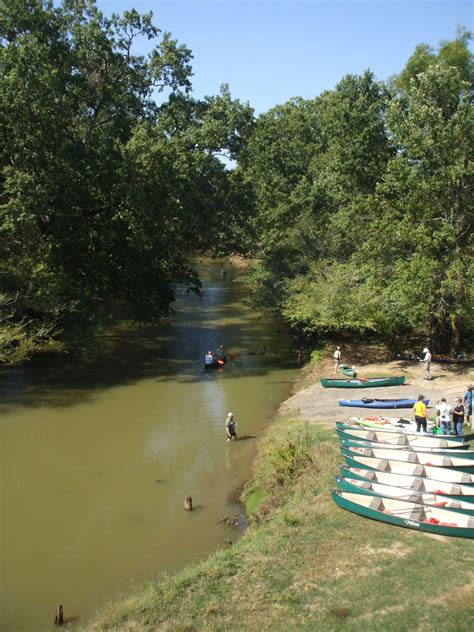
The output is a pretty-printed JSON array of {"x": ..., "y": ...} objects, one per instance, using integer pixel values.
[
  {"x": 467, "y": 401},
  {"x": 230, "y": 427},
  {"x": 427, "y": 363},
  {"x": 458, "y": 417},
  {"x": 421, "y": 414},
  {"x": 444, "y": 413},
  {"x": 337, "y": 358}
]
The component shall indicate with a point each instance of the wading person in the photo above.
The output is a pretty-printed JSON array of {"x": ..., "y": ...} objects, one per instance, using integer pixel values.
[
  {"x": 421, "y": 414},
  {"x": 427, "y": 363},
  {"x": 230, "y": 427},
  {"x": 209, "y": 358},
  {"x": 337, "y": 359}
]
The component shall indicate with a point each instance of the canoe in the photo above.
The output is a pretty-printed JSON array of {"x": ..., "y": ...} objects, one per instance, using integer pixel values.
[
  {"x": 368, "y": 382},
  {"x": 366, "y": 402},
  {"x": 388, "y": 422},
  {"x": 357, "y": 486},
  {"x": 347, "y": 370},
  {"x": 411, "y": 456},
  {"x": 217, "y": 364},
  {"x": 406, "y": 514},
  {"x": 465, "y": 453},
  {"x": 411, "y": 469},
  {"x": 392, "y": 432},
  {"x": 420, "y": 484},
  {"x": 402, "y": 439}
]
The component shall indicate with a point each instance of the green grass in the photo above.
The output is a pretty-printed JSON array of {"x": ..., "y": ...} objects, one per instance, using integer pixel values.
[{"x": 305, "y": 564}]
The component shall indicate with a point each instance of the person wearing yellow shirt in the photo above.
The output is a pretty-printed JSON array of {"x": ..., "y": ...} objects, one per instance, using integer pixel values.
[{"x": 421, "y": 414}]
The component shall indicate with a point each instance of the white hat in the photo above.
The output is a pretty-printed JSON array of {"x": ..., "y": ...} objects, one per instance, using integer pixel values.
[
  {"x": 230, "y": 414},
  {"x": 425, "y": 350}
]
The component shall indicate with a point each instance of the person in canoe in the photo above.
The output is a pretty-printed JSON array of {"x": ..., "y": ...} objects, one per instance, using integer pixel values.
[
  {"x": 221, "y": 353},
  {"x": 337, "y": 358},
  {"x": 208, "y": 358},
  {"x": 421, "y": 414},
  {"x": 230, "y": 427}
]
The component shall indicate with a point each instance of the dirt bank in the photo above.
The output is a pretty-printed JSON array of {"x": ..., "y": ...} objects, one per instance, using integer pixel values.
[{"x": 316, "y": 404}]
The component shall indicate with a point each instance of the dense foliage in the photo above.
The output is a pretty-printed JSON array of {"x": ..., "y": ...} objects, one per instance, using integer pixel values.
[
  {"x": 364, "y": 204},
  {"x": 110, "y": 171},
  {"x": 358, "y": 203}
]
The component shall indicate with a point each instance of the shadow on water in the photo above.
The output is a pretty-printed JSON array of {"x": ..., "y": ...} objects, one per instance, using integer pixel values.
[{"x": 175, "y": 351}]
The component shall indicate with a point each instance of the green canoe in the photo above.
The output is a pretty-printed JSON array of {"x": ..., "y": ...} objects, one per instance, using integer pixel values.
[
  {"x": 356, "y": 486},
  {"x": 368, "y": 382},
  {"x": 463, "y": 452},
  {"x": 451, "y": 462},
  {"x": 347, "y": 370},
  {"x": 417, "y": 483},
  {"x": 406, "y": 514}
]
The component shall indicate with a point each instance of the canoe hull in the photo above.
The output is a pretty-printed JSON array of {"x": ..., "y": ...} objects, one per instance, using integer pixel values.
[
  {"x": 459, "y": 450},
  {"x": 358, "y": 383},
  {"x": 348, "y": 501},
  {"x": 380, "y": 403},
  {"x": 402, "y": 440},
  {"x": 411, "y": 469},
  {"x": 412, "y": 457},
  {"x": 459, "y": 492},
  {"x": 386, "y": 433},
  {"x": 378, "y": 489}
]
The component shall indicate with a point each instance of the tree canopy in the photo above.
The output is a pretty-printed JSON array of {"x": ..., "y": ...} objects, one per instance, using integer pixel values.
[{"x": 358, "y": 204}]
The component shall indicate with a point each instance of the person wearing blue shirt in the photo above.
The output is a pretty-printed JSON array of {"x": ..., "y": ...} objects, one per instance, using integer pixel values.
[{"x": 467, "y": 401}]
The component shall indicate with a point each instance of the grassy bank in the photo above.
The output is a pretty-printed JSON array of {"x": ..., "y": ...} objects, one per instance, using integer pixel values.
[{"x": 304, "y": 564}]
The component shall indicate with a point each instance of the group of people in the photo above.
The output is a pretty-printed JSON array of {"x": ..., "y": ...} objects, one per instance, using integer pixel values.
[{"x": 460, "y": 413}]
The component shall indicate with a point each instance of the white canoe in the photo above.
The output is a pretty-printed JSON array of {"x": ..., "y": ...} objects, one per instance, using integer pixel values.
[
  {"x": 411, "y": 456},
  {"x": 411, "y": 469}
]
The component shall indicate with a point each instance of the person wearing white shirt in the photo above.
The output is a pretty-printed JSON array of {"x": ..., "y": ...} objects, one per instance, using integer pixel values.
[
  {"x": 444, "y": 413},
  {"x": 427, "y": 363}
]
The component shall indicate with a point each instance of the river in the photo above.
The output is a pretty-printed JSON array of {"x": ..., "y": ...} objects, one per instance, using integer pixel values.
[{"x": 97, "y": 457}]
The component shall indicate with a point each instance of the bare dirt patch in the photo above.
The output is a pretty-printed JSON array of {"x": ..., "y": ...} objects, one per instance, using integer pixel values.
[{"x": 316, "y": 404}]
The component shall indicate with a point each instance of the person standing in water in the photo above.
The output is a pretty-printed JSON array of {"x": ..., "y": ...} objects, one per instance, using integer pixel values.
[
  {"x": 230, "y": 427},
  {"x": 209, "y": 358}
]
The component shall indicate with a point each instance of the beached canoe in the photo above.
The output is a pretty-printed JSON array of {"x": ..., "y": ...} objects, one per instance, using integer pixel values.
[
  {"x": 367, "y": 402},
  {"x": 357, "y": 486},
  {"x": 464, "y": 452},
  {"x": 401, "y": 439},
  {"x": 348, "y": 371},
  {"x": 411, "y": 456},
  {"x": 406, "y": 514},
  {"x": 411, "y": 469},
  {"x": 417, "y": 483},
  {"x": 368, "y": 382},
  {"x": 387, "y": 422},
  {"x": 389, "y": 430}
]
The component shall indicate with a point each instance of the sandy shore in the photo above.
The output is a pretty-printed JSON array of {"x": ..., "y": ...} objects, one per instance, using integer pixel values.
[{"x": 316, "y": 404}]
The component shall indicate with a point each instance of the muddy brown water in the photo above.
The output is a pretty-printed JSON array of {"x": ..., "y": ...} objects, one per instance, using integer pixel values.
[{"x": 97, "y": 457}]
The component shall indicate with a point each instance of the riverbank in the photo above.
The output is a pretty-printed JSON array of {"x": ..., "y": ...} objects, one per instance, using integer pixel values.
[{"x": 304, "y": 563}]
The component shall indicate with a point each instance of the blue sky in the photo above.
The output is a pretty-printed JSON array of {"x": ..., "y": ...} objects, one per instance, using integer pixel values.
[{"x": 271, "y": 50}]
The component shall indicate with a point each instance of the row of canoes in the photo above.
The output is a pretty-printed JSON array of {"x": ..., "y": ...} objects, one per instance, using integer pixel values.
[{"x": 420, "y": 481}]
